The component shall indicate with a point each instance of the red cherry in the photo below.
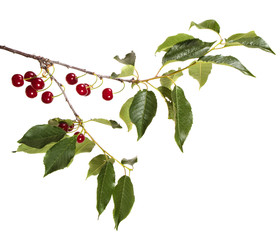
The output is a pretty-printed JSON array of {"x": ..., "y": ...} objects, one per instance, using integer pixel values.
[
  {"x": 47, "y": 97},
  {"x": 29, "y": 76},
  {"x": 30, "y": 92},
  {"x": 80, "y": 138},
  {"x": 17, "y": 80},
  {"x": 64, "y": 126},
  {"x": 88, "y": 89},
  {"x": 107, "y": 94},
  {"x": 38, "y": 83},
  {"x": 71, "y": 78},
  {"x": 81, "y": 89}
]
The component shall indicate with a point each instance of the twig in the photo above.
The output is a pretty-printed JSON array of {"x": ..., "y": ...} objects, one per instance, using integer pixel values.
[{"x": 51, "y": 62}]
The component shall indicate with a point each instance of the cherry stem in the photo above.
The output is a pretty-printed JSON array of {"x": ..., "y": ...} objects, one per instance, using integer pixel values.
[{"x": 121, "y": 89}]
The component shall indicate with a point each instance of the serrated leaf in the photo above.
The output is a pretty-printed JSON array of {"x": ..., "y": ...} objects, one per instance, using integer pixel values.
[
  {"x": 192, "y": 48},
  {"x": 130, "y": 162},
  {"x": 142, "y": 110},
  {"x": 168, "y": 81},
  {"x": 166, "y": 93},
  {"x": 250, "y": 40},
  {"x": 60, "y": 155},
  {"x": 41, "y": 135},
  {"x": 208, "y": 24},
  {"x": 105, "y": 187},
  {"x": 85, "y": 147},
  {"x": 228, "y": 61},
  {"x": 124, "y": 113},
  {"x": 124, "y": 198},
  {"x": 200, "y": 71},
  {"x": 111, "y": 123},
  {"x": 129, "y": 59},
  {"x": 172, "y": 40},
  {"x": 182, "y": 114},
  {"x": 96, "y": 164}
]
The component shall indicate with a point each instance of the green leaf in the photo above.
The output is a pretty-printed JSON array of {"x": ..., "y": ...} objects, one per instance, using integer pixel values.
[
  {"x": 124, "y": 198},
  {"x": 168, "y": 81},
  {"x": 60, "y": 155},
  {"x": 183, "y": 116},
  {"x": 200, "y": 71},
  {"x": 208, "y": 24},
  {"x": 142, "y": 110},
  {"x": 96, "y": 164},
  {"x": 105, "y": 187},
  {"x": 111, "y": 123},
  {"x": 172, "y": 40},
  {"x": 192, "y": 48},
  {"x": 129, "y": 59},
  {"x": 126, "y": 71},
  {"x": 124, "y": 113},
  {"x": 130, "y": 162},
  {"x": 250, "y": 40},
  {"x": 166, "y": 93},
  {"x": 41, "y": 135},
  {"x": 228, "y": 61},
  {"x": 24, "y": 148},
  {"x": 85, "y": 147}
]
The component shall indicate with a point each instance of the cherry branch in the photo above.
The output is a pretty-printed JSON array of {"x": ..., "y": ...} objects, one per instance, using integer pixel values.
[{"x": 52, "y": 62}]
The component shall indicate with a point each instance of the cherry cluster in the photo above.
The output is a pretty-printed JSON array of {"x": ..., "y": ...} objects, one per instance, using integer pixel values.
[
  {"x": 84, "y": 89},
  {"x": 67, "y": 128},
  {"x": 36, "y": 84}
]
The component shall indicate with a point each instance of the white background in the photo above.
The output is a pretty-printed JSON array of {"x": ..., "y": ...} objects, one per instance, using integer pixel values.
[{"x": 226, "y": 183}]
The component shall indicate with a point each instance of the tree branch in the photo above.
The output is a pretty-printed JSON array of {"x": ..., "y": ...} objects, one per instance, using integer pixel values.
[{"x": 52, "y": 62}]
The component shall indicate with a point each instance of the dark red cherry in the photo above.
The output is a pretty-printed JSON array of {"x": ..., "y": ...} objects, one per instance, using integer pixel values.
[
  {"x": 71, "y": 78},
  {"x": 29, "y": 76},
  {"x": 107, "y": 94},
  {"x": 30, "y": 92},
  {"x": 47, "y": 97},
  {"x": 17, "y": 80},
  {"x": 80, "y": 137},
  {"x": 38, "y": 83},
  {"x": 64, "y": 126},
  {"x": 70, "y": 128},
  {"x": 81, "y": 89}
]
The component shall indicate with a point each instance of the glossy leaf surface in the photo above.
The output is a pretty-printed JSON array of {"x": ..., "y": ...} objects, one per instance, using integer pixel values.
[
  {"x": 105, "y": 187},
  {"x": 192, "y": 48},
  {"x": 142, "y": 110},
  {"x": 60, "y": 155},
  {"x": 228, "y": 61},
  {"x": 41, "y": 135},
  {"x": 183, "y": 116},
  {"x": 124, "y": 198}
]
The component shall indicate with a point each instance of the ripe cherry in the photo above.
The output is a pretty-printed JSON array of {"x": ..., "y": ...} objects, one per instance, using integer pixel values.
[
  {"x": 29, "y": 76},
  {"x": 82, "y": 89},
  {"x": 64, "y": 126},
  {"x": 88, "y": 89},
  {"x": 80, "y": 137},
  {"x": 38, "y": 83},
  {"x": 47, "y": 97},
  {"x": 71, "y": 78},
  {"x": 30, "y": 92},
  {"x": 107, "y": 94},
  {"x": 17, "y": 80}
]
